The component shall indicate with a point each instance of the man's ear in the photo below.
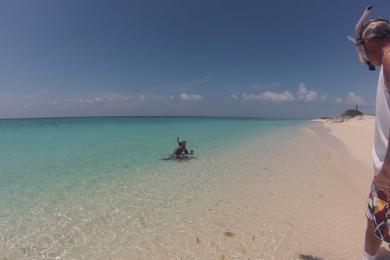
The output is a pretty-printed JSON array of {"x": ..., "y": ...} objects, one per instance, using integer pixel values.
[{"x": 369, "y": 45}]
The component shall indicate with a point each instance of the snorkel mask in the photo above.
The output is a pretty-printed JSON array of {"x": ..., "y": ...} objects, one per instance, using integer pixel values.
[{"x": 359, "y": 39}]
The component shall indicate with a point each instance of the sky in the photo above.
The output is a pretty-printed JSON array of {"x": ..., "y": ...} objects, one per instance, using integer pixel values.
[{"x": 286, "y": 59}]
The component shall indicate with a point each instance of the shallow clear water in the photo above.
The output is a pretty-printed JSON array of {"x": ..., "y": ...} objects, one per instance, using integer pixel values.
[{"x": 69, "y": 186}]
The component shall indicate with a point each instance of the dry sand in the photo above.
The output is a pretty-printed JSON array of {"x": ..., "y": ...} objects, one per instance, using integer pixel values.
[
  {"x": 309, "y": 200},
  {"x": 356, "y": 135}
]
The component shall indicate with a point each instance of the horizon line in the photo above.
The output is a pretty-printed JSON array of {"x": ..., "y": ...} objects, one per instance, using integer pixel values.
[{"x": 172, "y": 116}]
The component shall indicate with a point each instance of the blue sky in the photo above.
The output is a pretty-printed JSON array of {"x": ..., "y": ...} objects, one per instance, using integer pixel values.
[{"x": 211, "y": 58}]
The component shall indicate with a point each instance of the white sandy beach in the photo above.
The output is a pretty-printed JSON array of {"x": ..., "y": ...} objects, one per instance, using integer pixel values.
[
  {"x": 356, "y": 135},
  {"x": 310, "y": 200}
]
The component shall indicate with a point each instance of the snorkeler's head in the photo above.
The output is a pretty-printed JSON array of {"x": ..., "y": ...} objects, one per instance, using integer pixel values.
[
  {"x": 376, "y": 30},
  {"x": 370, "y": 38},
  {"x": 375, "y": 35}
]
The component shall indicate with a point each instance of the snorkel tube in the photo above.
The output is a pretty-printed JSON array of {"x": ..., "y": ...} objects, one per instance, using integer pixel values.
[
  {"x": 360, "y": 23},
  {"x": 358, "y": 40}
]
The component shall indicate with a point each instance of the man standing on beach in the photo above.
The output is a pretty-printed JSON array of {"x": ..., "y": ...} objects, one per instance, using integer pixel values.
[{"x": 373, "y": 44}]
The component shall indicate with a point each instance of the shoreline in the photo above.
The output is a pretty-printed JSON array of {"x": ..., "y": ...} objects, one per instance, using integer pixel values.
[
  {"x": 352, "y": 141},
  {"x": 355, "y": 168},
  {"x": 285, "y": 209},
  {"x": 275, "y": 198}
]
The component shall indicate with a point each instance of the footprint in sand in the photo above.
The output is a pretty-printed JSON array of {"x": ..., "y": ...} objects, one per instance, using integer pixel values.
[
  {"x": 309, "y": 257},
  {"x": 229, "y": 234}
]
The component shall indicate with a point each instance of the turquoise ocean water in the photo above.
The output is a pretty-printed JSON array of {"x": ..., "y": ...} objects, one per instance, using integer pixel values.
[{"x": 66, "y": 181}]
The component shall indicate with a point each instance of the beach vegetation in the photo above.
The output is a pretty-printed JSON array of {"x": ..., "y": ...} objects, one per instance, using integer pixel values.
[{"x": 351, "y": 113}]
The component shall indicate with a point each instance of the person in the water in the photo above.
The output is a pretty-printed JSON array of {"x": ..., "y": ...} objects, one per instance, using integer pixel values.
[{"x": 181, "y": 152}]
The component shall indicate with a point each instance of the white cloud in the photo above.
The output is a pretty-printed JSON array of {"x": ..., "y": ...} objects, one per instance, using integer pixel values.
[
  {"x": 263, "y": 87},
  {"x": 324, "y": 97},
  {"x": 270, "y": 96},
  {"x": 337, "y": 100},
  {"x": 278, "y": 97},
  {"x": 190, "y": 97},
  {"x": 303, "y": 94},
  {"x": 234, "y": 96},
  {"x": 120, "y": 97},
  {"x": 101, "y": 99},
  {"x": 353, "y": 99},
  {"x": 81, "y": 100},
  {"x": 306, "y": 95}
]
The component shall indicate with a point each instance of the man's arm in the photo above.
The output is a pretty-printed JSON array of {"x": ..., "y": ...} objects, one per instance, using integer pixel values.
[
  {"x": 386, "y": 68},
  {"x": 382, "y": 179},
  {"x": 386, "y": 76}
]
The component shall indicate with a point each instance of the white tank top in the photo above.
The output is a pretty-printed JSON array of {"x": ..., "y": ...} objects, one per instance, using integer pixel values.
[{"x": 382, "y": 123}]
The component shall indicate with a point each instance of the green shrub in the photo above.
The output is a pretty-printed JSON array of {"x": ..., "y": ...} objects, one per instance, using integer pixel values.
[{"x": 351, "y": 113}]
